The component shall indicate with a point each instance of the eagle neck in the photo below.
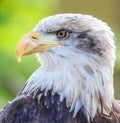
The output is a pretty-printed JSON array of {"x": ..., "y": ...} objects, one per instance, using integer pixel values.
[{"x": 82, "y": 80}]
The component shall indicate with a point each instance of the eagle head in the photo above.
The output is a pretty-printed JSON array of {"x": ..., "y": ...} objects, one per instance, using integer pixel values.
[{"x": 77, "y": 54}]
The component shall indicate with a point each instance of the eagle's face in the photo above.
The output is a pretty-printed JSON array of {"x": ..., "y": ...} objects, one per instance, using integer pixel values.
[
  {"x": 77, "y": 53},
  {"x": 69, "y": 32}
]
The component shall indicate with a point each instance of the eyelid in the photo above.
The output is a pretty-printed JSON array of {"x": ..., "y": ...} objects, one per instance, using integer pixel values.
[
  {"x": 63, "y": 29},
  {"x": 67, "y": 30}
]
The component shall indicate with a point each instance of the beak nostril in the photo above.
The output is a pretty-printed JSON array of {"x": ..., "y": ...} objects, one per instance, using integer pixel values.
[{"x": 34, "y": 37}]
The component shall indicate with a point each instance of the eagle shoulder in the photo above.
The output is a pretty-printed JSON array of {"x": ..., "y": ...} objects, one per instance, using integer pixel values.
[
  {"x": 49, "y": 109},
  {"x": 42, "y": 108}
]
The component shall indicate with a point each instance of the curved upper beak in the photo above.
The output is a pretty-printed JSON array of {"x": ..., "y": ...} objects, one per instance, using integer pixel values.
[{"x": 30, "y": 43}]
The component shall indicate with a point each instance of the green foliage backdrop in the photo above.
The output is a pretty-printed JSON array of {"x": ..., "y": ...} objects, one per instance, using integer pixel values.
[{"x": 16, "y": 19}]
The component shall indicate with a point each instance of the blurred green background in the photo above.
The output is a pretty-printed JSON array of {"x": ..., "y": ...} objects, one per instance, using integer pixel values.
[{"x": 19, "y": 17}]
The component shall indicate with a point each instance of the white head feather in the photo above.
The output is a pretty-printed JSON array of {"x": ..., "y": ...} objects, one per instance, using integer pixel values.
[{"x": 81, "y": 74}]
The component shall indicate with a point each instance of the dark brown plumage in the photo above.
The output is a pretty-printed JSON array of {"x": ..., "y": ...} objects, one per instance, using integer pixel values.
[{"x": 25, "y": 109}]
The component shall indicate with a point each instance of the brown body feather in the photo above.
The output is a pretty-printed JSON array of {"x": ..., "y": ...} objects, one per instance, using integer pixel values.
[{"x": 48, "y": 109}]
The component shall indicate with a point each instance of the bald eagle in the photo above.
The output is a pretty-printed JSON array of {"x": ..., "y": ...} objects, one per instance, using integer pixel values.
[{"x": 74, "y": 84}]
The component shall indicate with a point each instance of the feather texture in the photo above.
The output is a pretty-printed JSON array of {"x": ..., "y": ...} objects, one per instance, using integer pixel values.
[
  {"x": 49, "y": 109},
  {"x": 75, "y": 82}
]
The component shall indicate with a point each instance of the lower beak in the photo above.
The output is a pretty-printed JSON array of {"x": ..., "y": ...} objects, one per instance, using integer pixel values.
[{"x": 30, "y": 43}]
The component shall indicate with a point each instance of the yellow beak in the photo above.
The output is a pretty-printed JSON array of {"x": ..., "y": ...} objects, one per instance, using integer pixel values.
[{"x": 30, "y": 43}]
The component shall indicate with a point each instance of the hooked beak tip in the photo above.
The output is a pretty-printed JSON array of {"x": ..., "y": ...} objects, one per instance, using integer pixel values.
[
  {"x": 18, "y": 56},
  {"x": 18, "y": 59}
]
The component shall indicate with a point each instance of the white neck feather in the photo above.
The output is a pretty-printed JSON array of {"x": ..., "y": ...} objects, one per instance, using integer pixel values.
[{"x": 83, "y": 79}]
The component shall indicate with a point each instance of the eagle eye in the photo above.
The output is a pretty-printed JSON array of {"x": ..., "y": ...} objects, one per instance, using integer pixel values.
[{"x": 62, "y": 34}]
